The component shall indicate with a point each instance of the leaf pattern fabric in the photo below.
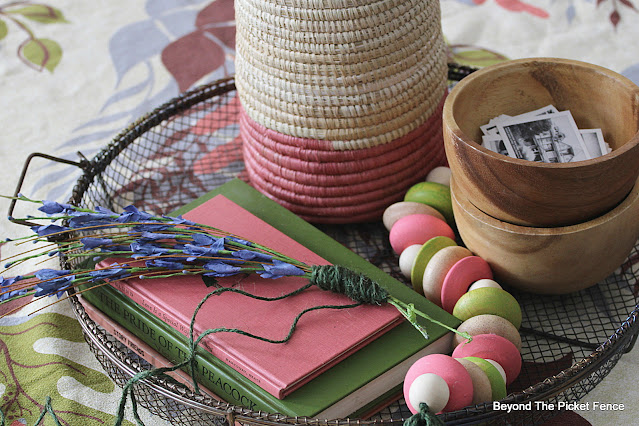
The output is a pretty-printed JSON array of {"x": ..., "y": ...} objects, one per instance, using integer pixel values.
[{"x": 74, "y": 74}]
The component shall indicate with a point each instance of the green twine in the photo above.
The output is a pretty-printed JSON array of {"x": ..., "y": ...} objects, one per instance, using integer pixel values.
[
  {"x": 424, "y": 417},
  {"x": 342, "y": 280},
  {"x": 359, "y": 287},
  {"x": 47, "y": 409}
]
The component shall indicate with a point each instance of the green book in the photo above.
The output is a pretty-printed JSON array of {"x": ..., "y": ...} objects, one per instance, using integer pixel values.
[{"x": 364, "y": 378}]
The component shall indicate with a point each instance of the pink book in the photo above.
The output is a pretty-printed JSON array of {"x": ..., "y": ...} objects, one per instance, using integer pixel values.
[{"x": 322, "y": 338}]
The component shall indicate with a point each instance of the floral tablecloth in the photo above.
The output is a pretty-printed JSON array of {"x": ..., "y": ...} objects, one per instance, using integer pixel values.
[{"x": 73, "y": 74}]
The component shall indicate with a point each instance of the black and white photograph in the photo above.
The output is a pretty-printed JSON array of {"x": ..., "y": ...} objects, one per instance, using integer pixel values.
[
  {"x": 495, "y": 144},
  {"x": 594, "y": 141},
  {"x": 551, "y": 138},
  {"x": 491, "y": 127}
]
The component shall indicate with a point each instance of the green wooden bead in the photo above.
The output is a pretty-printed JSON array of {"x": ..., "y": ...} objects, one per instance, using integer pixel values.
[
  {"x": 488, "y": 300},
  {"x": 425, "y": 253},
  {"x": 497, "y": 383},
  {"x": 435, "y": 195}
]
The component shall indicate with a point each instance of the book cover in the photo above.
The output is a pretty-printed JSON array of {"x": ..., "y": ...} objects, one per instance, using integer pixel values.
[
  {"x": 322, "y": 338},
  {"x": 374, "y": 370}
]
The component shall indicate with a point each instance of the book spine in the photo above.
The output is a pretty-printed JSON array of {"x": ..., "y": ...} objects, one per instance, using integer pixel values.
[
  {"x": 178, "y": 323},
  {"x": 211, "y": 372},
  {"x": 138, "y": 347}
]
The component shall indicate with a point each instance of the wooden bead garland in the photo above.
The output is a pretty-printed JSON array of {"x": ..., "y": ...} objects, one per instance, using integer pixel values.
[{"x": 453, "y": 278}]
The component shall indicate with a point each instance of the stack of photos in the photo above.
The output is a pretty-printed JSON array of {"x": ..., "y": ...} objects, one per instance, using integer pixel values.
[{"x": 546, "y": 135}]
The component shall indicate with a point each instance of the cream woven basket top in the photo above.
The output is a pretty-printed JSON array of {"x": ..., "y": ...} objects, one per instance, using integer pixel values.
[{"x": 355, "y": 73}]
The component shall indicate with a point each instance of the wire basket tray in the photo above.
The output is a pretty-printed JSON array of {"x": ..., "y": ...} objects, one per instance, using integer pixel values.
[{"x": 191, "y": 145}]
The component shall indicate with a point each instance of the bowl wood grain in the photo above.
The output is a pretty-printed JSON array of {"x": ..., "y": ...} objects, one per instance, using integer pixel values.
[{"x": 555, "y": 260}]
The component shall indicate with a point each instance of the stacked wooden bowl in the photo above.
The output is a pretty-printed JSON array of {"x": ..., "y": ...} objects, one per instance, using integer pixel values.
[
  {"x": 547, "y": 228},
  {"x": 341, "y": 100}
]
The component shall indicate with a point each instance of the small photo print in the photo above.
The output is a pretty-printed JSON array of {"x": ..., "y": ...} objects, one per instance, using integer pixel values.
[
  {"x": 594, "y": 141},
  {"x": 491, "y": 128},
  {"x": 495, "y": 144},
  {"x": 550, "y": 138}
]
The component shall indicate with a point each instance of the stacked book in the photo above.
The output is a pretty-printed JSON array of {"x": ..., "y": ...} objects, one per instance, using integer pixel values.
[{"x": 338, "y": 363}]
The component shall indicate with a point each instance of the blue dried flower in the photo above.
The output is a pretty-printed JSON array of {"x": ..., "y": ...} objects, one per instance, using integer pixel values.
[
  {"x": 115, "y": 248},
  {"x": 141, "y": 249},
  {"x": 53, "y": 282},
  {"x": 111, "y": 273},
  {"x": 45, "y": 230},
  {"x": 252, "y": 255},
  {"x": 104, "y": 210},
  {"x": 151, "y": 227},
  {"x": 132, "y": 214},
  {"x": 85, "y": 219},
  {"x": 154, "y": 236},
  {"x": 91, "y": 242},
  {"x": 167, "y": 264},
  {"x": 220, "y": 269},
  {"x": 280, "y": 269},
  {"x": 238, "y": 240},
  {"x": 179, "y": 220},
  {"x": 7, "y": 282},
  {"x": 207, "y": 240},
  {"x": 53, "y": 207},
  {"x": 198, "y": 251}
]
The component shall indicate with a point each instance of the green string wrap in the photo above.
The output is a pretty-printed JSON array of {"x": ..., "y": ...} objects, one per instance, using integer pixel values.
[
  {"x": 424, "y": 417},
  {"x": 342, "y": 280}
]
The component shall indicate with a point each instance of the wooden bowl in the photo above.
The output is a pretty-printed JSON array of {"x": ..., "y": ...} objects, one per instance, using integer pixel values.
[
  {"x": 554, "y": 260},
  {"x": 534, "y": 193}
]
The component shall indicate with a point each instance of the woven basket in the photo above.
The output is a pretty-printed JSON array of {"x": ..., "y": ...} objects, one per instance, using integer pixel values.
[{"x": 341, "y": 101}]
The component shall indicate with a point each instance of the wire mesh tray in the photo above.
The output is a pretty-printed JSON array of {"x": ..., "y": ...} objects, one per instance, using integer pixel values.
[{"x": 191, "y": 145}]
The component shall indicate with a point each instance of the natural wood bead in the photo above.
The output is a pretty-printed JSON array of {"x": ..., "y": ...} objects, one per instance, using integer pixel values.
[
  {"x": 437, "y": 268},
  {"x": 489, "y": 324}
]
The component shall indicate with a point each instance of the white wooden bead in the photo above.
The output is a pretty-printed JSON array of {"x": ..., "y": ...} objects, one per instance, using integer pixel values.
[
  {"x": 439, "y": 174},
  {"x": 431, "y": 389},
  {"x": 407, "y": 259},
  {"x": 484, "y": 283},
  {"x": 499, "y": 368}
]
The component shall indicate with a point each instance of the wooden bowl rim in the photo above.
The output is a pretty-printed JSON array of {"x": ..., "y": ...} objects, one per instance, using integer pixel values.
[
  {"x": 449, "y": 118},
  {"x": 469, "y": 208}
]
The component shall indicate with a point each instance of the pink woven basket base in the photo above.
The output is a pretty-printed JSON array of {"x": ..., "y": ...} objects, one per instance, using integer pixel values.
[
  {"x": 352, "y": 198},
  {"x": 324, "y": 150},
  {"x": 333, "y": 215},
  {"x": 384, "y": 177},
  {"x": 347, "y": 164}
]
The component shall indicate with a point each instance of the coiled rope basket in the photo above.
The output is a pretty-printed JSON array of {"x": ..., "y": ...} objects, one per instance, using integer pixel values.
[{"x": 341, "y": 101}]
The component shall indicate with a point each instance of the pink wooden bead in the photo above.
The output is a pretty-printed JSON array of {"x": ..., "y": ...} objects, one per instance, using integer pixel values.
[
  {"x": 452, "y": 371},
  {"x": 461, "y": 276},
  {"x": 417, "y": 229},
  {"x": 497, "y": 348}
]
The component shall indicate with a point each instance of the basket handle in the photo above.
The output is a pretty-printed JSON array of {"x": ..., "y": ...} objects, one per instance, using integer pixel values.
[{"x": 83, "y": 164}]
